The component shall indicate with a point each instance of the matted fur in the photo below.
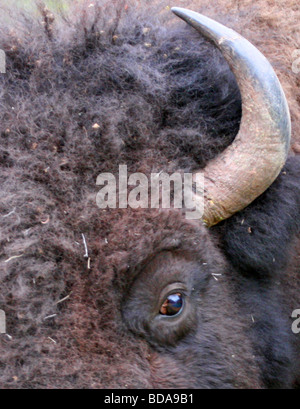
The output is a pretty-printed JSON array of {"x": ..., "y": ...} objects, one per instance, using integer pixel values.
[{"x": 163, "y": 99}]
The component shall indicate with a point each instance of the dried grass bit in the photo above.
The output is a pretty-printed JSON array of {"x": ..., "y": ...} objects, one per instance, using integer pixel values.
[
  {"x": 9, "y": 214},
  {"x": 13, "y": 258},
  {"x": 50, "y": 316},
  {"x": 63, "y": 299},
  {"x": 46, "y": 221},
  {"x": 86, "y": 255}
]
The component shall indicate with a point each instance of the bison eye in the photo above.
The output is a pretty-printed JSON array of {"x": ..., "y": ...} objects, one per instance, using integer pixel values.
[{"x": 172, "y": 305}]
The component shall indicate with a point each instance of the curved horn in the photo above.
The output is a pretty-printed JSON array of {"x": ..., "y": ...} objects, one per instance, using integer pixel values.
[{"x": 253, "y": 161}]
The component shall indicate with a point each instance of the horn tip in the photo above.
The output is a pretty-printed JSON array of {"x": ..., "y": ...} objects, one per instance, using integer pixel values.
[
  {"x": 174, "y": 9},
  {"x": 179, "y": 11}
]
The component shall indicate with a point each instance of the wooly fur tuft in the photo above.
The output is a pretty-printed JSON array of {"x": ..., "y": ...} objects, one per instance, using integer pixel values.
[{"x": 114, "y": 84}]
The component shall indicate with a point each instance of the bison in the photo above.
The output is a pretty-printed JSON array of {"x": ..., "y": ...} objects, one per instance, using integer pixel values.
[{"x": 144, "y": 298}]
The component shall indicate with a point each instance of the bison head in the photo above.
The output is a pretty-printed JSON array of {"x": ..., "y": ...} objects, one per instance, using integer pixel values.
[{"x": 143, "y": 297}]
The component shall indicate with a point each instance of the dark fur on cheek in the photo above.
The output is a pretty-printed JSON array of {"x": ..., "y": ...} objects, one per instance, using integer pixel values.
[{"x": 259, "y": 240}]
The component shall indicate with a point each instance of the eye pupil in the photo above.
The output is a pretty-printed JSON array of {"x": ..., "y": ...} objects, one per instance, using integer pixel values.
[{"x": 172, "y": 305}]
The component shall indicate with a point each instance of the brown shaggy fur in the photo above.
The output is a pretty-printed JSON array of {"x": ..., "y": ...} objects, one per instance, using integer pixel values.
[{"x": 79, "y": 323}]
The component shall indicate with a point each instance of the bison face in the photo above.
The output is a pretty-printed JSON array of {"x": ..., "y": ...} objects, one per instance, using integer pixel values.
[{"x": 144, "y": 298}]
